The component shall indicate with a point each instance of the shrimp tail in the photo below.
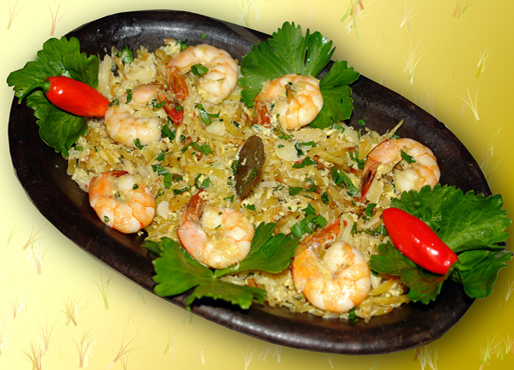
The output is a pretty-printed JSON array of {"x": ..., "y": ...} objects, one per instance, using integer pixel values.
[
  {"x": 194, "y": 209},
  {"x": 263, "y": 117},
  {"x": 176, "y": 83},
  {"x": 118, "y": 173},
  {"x": 322, "y": 236},
  {"x": 370, "y": 170}
]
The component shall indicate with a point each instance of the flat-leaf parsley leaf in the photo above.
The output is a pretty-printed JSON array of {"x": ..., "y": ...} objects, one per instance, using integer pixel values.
[
  {"x": 472, "y": 225},
  {"x": 59, "y": 57}
]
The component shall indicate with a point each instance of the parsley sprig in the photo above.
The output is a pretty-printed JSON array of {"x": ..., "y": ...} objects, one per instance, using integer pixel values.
[
  {"x": 59, "y": 57},
  {"x": 472, "y": 225},
  {"x": 177, "y": 272},
  {"x": 288, "y": 51}
]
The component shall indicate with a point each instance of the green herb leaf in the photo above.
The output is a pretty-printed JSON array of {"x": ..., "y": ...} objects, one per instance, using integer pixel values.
[
  {"x": 177, "y": 272},
  {"x": 126, "y": 55},
  {"x": 309, "y": 224},
  {"x": 307, "y": 161},
  {"x": 341, "y": 178},
  {"x": 137, "y": 144},
  {"x": 204, "y": 148},
  {"x": 167, "y": 176},
  {"x": 477, "y": 271},
  {"x": 166, "y": 132},
  {"x": 199, "y": 70},
  {"x": 337, "y": 100},
  {"x": 271, "y": 253},
  {"x": 407, "y": 158},
  {"x": 206, "y": 117},
  {"x": 354, "y": 155},
  {"x": 288, "y": 51},
  {"x": 423, "y": 286},
  {"x": 58, "y": 129},
  {"x": 472, "y": 225},
  {"x": 463, "y": 221}
]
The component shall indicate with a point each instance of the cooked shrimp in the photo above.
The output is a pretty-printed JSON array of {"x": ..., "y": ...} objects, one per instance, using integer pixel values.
[
  {"x": 423, "y": 169},
  {"x": 216, "y": 84},
  {"x": 121, "y": 202},
  {"x": 294, "y": 100},
  {"x": 332, "y": 275},
  {"x": 216, "y": 237},
  {"x": 124, "y": 127}
]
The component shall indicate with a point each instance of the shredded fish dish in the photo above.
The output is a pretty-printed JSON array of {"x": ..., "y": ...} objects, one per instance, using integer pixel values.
[
  {"x": 249, "y": 184},
  {"x": 306, "y": 172}
]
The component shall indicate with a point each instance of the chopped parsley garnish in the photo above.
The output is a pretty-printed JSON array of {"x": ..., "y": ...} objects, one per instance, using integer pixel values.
[
  {"x": 354, "y": 156},
  {"x": 157, "y": 104},
  {"x": 183, "y": 44},
  {"x": 234, "y": 165},
  {"x": 161, "y": 156},
  {"x": 309, "y": 224},
  {"x": 137, "y": 144},
  {"x": 206, "y": 117},
  {"x": 204, "y": 148},
  {"x": 305, "y": 162},
  {"x": 129, "y": 95},
  {"x": 369, "y": 209},
  {"x": 126, "y": 55},
  {"x": 160, "y": 170},
  {"x": 202, "y": 183},
  {"x": 324, "y": 198},
  {"x": 166, "y": 132},
  {"x": 294, "y": 190},
  {"x": 340, "y": 178},
  {"x": 251, "y": 207},
  {"x": 408, "y": 158},
  {"x": 199, "y": 70},
  {"x": 180, "y": 191}
]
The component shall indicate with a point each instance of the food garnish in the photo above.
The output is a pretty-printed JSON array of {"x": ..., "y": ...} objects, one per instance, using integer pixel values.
[
  {"x": 177, "y": 272},
  {"x": 468, "y": 228},
  {"x": 416, "y": 240},
  {"x": 471, "y": 225},
  {"x": 59, "y": 57},
  {"x": 288, "y": 51},
  {"x": 72, "y": 96}
]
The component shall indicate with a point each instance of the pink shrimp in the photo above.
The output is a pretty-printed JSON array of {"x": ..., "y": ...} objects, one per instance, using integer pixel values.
[
  {"x": 422, "y": 169},
  {"x": 120, "y": 202},
  {"x": 125, "y": 128},
  {"x": 294, "y": 100},
  {"x": 216, "y": 237},
  {"x": 216, "y": 84},
  {"x": 333, "y": 276}
]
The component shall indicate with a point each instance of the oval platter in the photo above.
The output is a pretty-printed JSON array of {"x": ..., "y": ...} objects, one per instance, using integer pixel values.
[{"x": 42, "y": 173}]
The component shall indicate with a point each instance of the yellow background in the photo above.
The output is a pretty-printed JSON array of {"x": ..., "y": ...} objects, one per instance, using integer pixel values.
[{"x": 62, "y": 309}]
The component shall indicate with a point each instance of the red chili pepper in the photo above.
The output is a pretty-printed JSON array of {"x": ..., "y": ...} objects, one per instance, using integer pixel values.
[
  {"x": 416, "y": 240},
  {"x": 72, "y": 96}
]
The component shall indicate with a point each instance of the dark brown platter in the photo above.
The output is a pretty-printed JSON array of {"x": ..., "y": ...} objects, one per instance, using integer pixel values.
[{"x": 42, "y": 173}]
